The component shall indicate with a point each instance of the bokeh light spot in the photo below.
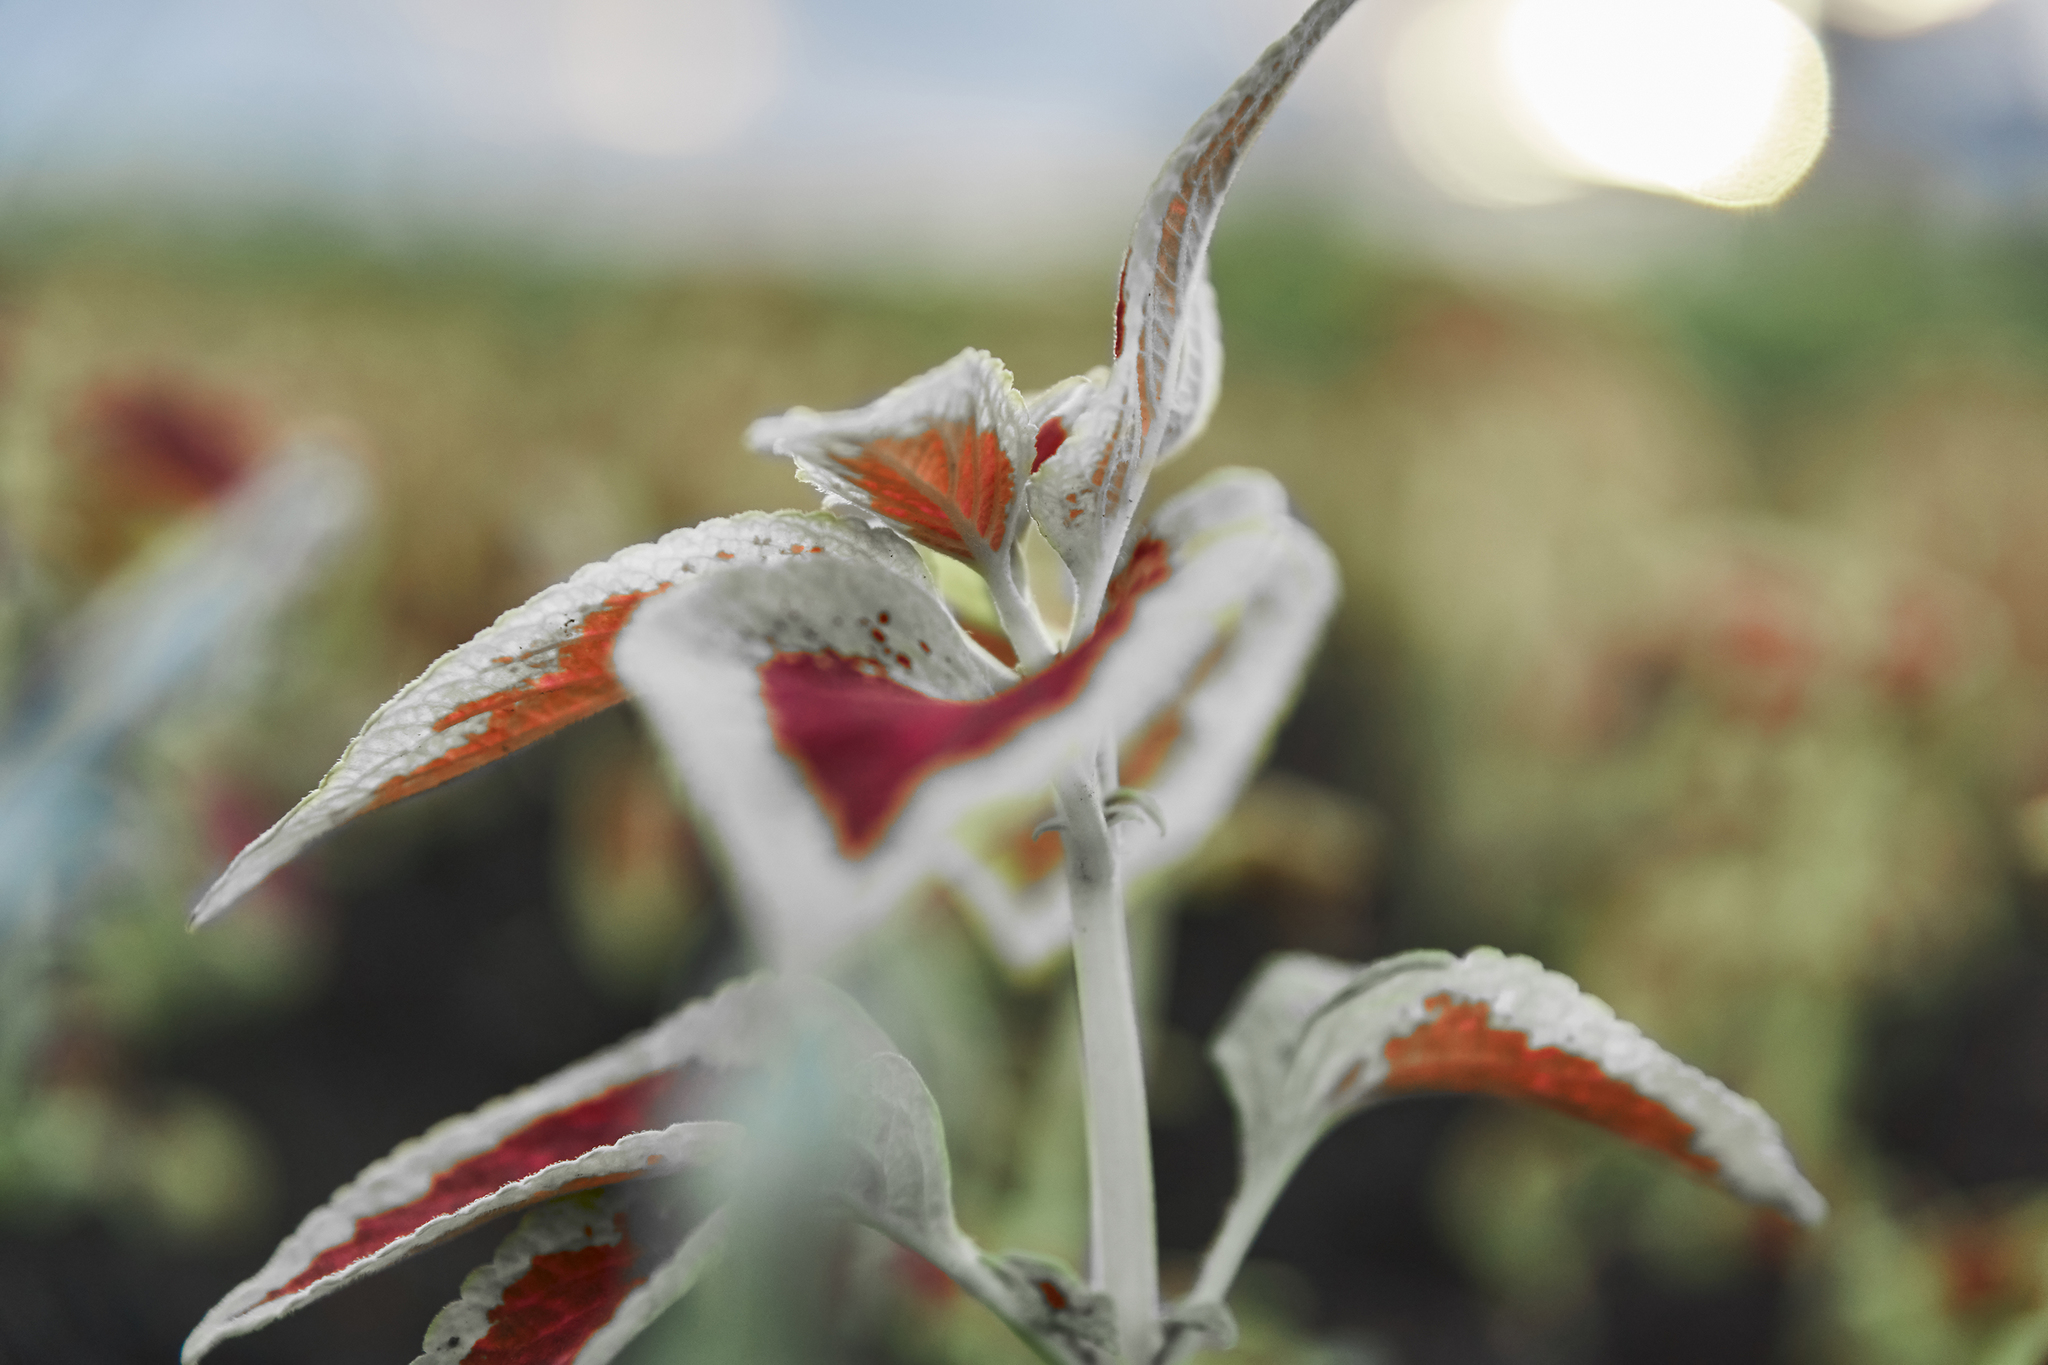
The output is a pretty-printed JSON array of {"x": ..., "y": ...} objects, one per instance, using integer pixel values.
[{"x": 1513, "y": 101}]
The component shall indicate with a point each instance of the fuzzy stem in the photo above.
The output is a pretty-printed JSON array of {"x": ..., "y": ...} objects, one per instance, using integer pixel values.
[
  {"x": 1257, "y": 1190},
  {"x": 1016, "y": 613},
  {"x": 1125, "y": 1250}
]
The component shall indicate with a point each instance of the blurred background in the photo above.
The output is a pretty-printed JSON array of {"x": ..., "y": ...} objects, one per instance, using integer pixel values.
[{"x": 1689, "y": 477}]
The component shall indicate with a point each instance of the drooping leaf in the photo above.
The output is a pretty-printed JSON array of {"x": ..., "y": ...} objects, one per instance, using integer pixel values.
[
  {"x": 647, "y": 1106},
  {"x": 941, "y": 459},
  {"x": 847, "y": 743},
  {"x": 1315, "y": 1040},
  {"x": 535, "y": 669},
  {"x": 1167, "y": 347},
  {"x": 580, "y": 1277},
  {"x": 895, "y": 1177}
]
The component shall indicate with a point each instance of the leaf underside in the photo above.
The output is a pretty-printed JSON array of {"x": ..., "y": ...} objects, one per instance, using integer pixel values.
[
  {"x": 578, "y": 1279},
  {"x": 655, "y": 1104},
  {"x": 1315, "y": 1040},
  {"x": 537, "y": 668},
  {"x": 895, "y": 753}
]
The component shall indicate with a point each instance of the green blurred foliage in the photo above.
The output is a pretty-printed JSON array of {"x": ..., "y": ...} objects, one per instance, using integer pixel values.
[{"x": 1695, "y": 641}]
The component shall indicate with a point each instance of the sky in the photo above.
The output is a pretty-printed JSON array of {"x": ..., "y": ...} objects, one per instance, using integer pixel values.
[{"x": 962, "y": 135}]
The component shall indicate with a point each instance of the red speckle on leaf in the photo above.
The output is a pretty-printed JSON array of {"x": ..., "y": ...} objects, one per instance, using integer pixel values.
[
  {"x": 1458, "y": 1049},
  {"x": 546, "y": 1315},
  {"x": 1050, "y": 437},
  {"x": 883, "y": 617},
  {"x": 864, "y": 743},
  {"x": 559, "y": 1136},
  {"x": 903, "y": 660},
  {"x": 880, "y": 638},
  {"x": 1117, "y": 351},
  {"x": 582, "y": 684},
  {"x": 1055, "y": 1297}
]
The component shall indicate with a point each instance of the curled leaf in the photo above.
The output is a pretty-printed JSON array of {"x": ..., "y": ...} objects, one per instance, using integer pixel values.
[
  {"x": 1315, "y": 1040},
  {"x": 579, "y": 1278},
  {"x": 848, "y": 743},
  {"x": 1167, "y": 370},
  {"x": 648, "y": 1106},
  {"x": 941, "y": 459},
  {"x": 537, "y": 668}
]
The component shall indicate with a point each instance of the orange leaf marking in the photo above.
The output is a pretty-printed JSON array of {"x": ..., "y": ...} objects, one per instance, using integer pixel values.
[
  {"x": 941, "y": 486},
  {"x": 581, "y": 685},
  {"x": 1458, "y": 1049}
]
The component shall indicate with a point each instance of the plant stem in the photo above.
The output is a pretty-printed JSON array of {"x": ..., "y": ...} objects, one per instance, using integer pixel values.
[
  {"x": 1017, "y": 615},
  {"x": 1247, "y": 1214},
  {"x": 1125, "y": 1248}
]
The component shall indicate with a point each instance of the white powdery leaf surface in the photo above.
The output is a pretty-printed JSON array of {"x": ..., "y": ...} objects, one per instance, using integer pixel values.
[
  {"x": 538, "y": 667},
  {"x": 1167, "y": 371},
  {"x": 576, "y": 1281},
  {"x": 896, "y": 1178},
  {"x": 848, "y": 745},
  {"x": 1493, "y": 1024},
  {"x": 633, "y": 1110},
  {"x": 941, "y": 459}
]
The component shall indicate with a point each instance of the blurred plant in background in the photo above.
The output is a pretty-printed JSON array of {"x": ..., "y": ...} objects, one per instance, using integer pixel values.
[
  {"x": 1694, "y": 640},
  {"x": 150, "y": 549}
]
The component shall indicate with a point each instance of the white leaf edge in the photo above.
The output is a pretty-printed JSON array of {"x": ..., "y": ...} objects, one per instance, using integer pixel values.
[
  {"x": 731, "y": 1029},
  {"x": 1241, "y": 563},
  {"x": 973, "y": 387},
  {"x": 899, "y": 1183},
  {"x": 1165, "y": 383},
  {"x": 555, "y": 1227},
  {"x": 1306, "y": 1046},
  {"x": 522, "y": 645}
]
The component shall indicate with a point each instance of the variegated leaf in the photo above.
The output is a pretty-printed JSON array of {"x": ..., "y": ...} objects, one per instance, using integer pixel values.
[
  {"x": 646, "y": 1106},
  {"x": 1168, "y": 350},
  {"x": 535, "y": 669},
  {"x": 941, "y": 459},
  {"x": 194, "y": 610},
  {"x": 896, "y": 1179},
  {"x": 1052, "y": 413},
  {"x": 1315, "y": 1040},
  {"x": 580, "y": 1277},
  {"x": 848, "y": 744}
]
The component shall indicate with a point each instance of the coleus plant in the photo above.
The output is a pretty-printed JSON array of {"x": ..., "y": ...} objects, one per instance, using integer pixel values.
[{"x": 848, "y": 740}]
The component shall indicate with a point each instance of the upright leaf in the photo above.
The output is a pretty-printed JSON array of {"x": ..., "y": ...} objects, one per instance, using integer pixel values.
[
  {"x": 535, "y": 669},
  {"x": 847, "y": 743},
  {"x": 941, "y": 459},
  {"x": 1316, "y": 1040},
  {"x": 1167, "y": 368},
  {"x": 647, "y": 1106}
]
